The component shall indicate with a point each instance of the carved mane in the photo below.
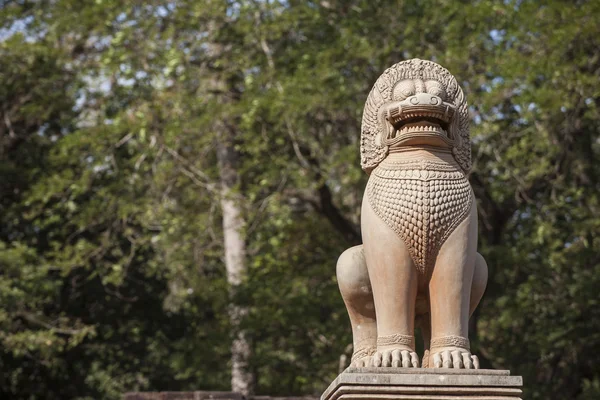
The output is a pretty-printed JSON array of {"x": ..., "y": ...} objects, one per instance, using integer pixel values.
[{"x": 372, "y": 150}]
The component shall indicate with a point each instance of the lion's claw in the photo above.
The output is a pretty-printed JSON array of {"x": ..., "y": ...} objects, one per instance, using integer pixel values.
[
  {"x": 362, "y": 362},
  {"x": 398, "y": 357},
  {"x": 457, "y": 358}
]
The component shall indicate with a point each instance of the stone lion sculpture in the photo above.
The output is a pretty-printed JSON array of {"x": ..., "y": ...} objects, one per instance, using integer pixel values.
[{"x": 418, "y": 265}]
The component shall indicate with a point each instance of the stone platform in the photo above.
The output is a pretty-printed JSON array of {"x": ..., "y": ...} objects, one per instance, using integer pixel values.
[{"x": 424, "y": 384}]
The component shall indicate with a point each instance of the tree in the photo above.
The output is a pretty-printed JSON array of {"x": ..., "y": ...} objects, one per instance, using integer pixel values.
[{"x": 112, "y": 225}]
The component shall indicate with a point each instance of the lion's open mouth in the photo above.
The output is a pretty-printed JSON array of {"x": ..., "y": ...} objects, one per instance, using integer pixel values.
[
  {"x": 419, "y": 119},
  {"x": 422, "y": 125},
  {"x": 415, "y": 129}
]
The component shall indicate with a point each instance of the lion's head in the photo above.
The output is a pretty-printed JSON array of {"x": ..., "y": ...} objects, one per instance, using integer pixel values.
[{"x": 415, "y": 102}]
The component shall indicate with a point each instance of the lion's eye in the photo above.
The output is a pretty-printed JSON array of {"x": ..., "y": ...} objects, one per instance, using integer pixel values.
[
  {"x": 404, "y": 89},
  {"x": 435, "y": 88}
]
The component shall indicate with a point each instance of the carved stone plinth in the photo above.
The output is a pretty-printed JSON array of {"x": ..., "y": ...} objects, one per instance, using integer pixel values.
[{"x": 424, "y": 384}]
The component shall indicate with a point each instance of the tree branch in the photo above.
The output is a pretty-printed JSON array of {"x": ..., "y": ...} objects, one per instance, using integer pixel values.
[{"x": 335, "y": 217}]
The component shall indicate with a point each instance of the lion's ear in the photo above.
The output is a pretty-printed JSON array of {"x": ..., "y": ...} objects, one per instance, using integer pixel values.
[
  {"x": 460, "y": 130},
  {"x": 372, "y": 148}
]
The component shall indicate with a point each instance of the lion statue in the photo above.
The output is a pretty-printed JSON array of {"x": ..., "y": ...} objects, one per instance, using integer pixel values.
[{"x": 418, "y": 265}]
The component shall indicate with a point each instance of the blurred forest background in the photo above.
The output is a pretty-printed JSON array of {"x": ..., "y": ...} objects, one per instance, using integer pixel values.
[{"x": 127, "y": 127}]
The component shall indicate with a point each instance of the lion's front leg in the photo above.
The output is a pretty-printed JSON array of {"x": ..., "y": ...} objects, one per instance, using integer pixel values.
[
  {"x": 450, "y": 291},
  {"x": 394, "y": 281}
]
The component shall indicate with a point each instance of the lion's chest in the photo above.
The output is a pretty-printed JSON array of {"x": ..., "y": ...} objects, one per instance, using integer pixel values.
[{"x": 423, "y": 202}]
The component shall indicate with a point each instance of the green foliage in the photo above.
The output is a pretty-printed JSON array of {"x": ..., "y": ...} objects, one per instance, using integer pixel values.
[{"x": 111, "y": 271}]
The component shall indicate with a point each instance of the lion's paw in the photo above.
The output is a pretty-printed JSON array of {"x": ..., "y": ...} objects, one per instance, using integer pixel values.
[
  {"x": 396, "y": 357},
  {"x": 361, "y": 362},
  {"x": 363, "y": 357},
  {"x": 453, "y": 357}
]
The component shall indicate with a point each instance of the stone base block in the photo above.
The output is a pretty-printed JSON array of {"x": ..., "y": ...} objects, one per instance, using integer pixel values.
[
  {"x": 424, "y": 384},
  {"x": 182, "y": 396},
  {"x": 203, "y": 395}
]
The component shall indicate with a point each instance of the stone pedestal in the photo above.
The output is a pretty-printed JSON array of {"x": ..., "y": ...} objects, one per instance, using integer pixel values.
[{"x": 424, "y": 384}]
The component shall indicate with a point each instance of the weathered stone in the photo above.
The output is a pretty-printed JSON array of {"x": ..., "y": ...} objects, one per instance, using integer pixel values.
[
  {"x": 203, "y": 395},
  {"x": 424, "y": 384},
  {"x": 197, "y": 395},
  {"x": 141, "y": 396},
  {"x": 283, "y": 398},
  {"x": 418, "y": 265}
]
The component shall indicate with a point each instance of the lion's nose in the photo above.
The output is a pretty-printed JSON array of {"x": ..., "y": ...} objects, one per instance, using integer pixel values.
[{"x": 424, "y": 99}]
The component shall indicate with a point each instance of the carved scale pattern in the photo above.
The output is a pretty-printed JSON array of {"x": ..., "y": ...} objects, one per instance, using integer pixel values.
[
  {"x": 372, "y": 150},
  {"x": 423, "y": 202}
]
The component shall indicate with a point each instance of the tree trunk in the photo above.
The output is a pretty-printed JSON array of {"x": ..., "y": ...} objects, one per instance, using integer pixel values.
[{"x": 242, "y": 378}]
